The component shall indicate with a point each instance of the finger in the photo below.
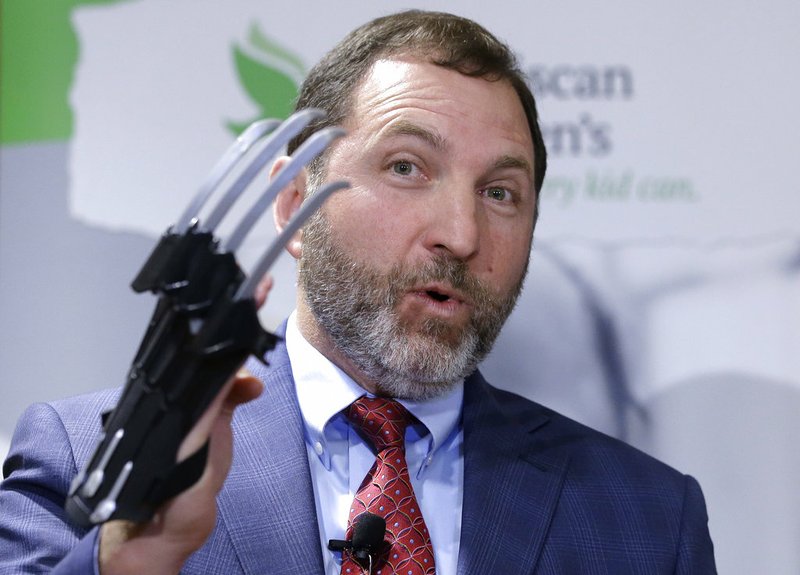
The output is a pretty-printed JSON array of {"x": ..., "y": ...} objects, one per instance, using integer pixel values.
[
  {"x": 245, "y": 388},
  {"x": 262, "y": 289},
  {"x": 199, "y": 434},
  {"x": 241, "y": 388}
]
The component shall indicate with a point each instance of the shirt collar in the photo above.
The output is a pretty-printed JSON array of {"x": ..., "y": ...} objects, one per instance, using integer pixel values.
[{"x": 323, "y": 390}]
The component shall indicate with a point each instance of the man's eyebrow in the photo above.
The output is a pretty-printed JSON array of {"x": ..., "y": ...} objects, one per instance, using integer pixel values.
[
  {"x": 436, "y": 141},
  {"x": 406, "y": 128},
  {"x": 514, "y": 162}
]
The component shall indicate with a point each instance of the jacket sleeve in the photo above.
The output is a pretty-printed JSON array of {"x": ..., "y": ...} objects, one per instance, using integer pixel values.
[
  {"x": 695, "y": 549},
  {"x": 35, "y": 533}
]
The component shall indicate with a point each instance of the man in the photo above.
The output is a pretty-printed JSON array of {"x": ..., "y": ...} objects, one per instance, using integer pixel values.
[{"x": 405, "y": 280}]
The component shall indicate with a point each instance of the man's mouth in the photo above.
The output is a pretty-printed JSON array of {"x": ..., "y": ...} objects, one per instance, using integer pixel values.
[
  {"x": 436, "y": 295},
  {"x": 441, "y": 298}
]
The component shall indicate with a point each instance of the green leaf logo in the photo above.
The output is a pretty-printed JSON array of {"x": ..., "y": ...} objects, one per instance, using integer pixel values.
[{"x": 270, "y": 74}]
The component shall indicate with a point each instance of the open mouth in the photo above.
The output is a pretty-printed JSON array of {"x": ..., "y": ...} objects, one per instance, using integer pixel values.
[
  {"x": 439, "y": 300},
  {"x": 441, "y": 294},
  {"x": 438, "y": 296}
]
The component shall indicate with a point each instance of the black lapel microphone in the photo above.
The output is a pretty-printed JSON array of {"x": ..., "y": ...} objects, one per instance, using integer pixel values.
[{"x": 368, "y": 532}]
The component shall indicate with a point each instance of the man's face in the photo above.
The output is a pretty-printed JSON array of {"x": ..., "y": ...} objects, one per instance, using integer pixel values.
[{"x": 407, "y": 277}]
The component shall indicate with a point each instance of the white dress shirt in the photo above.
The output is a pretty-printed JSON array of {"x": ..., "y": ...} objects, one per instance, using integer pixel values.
[{"x": 339, "y": 458}]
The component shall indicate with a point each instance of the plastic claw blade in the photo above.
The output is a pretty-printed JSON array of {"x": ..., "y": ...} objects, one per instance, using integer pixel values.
[
  {"x": 239, "y": 148},
  {"x": 309, "y": 207},
  {"x": 310, "y": 149},
  {"x": 277, "y": 140}
]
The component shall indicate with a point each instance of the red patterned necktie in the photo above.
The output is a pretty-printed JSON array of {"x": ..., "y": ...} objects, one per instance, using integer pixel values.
[{"x": 386, "y": 491}]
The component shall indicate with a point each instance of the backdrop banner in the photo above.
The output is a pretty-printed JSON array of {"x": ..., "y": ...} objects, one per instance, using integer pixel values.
[{"x": 663, "y": 303}]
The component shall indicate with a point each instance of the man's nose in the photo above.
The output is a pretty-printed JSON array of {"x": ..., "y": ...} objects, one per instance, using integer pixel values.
[{"x": 455, "y": 222}]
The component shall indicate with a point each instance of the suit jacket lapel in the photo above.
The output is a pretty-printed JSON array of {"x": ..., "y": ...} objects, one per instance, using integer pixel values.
[
  {"x": 511, "y": 485},
  {"x": 267, "y": 504}
]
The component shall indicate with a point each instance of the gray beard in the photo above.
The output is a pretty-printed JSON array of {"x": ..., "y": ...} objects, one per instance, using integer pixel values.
[{"x": 355, "y": 305}]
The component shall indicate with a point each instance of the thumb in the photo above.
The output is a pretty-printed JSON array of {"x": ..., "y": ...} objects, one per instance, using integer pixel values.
[{"x": 243, "y": 388}]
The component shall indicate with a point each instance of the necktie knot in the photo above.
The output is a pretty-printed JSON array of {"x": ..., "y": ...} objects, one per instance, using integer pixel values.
[{"x": 381, "y": 421}]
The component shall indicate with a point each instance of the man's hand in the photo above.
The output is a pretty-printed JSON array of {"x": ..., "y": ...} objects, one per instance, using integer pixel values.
[{"x": 182, "y": 525}]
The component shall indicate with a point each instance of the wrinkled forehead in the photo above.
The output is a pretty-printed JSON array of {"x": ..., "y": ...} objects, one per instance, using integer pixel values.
[{"x": 409, "y": 83}]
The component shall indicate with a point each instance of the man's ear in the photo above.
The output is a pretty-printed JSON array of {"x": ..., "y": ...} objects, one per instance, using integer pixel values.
[{"x": 287, "y": 203}]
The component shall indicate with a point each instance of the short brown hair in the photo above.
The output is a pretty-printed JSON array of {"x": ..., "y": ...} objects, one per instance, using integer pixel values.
[{"x": 443, "y": 39}]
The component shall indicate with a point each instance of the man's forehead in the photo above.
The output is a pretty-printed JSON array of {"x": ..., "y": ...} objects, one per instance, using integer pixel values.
[
  {"x": 401, "y": 81},
  {"x": 392, "y": 75}
]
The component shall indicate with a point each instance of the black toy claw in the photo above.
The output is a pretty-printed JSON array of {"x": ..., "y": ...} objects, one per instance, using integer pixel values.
[{"x": 204, "y": 327}]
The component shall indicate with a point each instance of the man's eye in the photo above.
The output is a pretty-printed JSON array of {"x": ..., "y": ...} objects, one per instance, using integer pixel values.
[
  {"x": 403, "y": 168},
  {"x": 497, "y": 194}
]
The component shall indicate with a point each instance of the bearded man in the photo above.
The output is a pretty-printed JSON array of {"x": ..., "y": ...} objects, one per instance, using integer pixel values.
[{"x": 405, "y": 280}]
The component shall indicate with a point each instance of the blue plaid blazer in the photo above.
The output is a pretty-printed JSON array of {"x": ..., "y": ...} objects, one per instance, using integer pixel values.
[{"x": 542, "y": 494}]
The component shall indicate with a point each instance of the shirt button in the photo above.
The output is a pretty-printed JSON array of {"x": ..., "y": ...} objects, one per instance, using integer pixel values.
[
  {"x": 318, "y": 448},
  {"x": 429, "y": 460}
]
